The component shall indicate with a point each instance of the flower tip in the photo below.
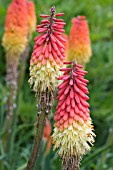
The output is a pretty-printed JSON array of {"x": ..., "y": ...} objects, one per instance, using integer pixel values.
[
  {"x": 81, "y": 17},
  {"x": 59, "y": 14}
]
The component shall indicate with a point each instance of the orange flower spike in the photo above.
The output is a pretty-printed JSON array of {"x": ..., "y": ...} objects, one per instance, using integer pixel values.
[
  {"x": 73, "y": 133},
  {"x": 15, "y": 36},
  {"x": 79, "y": 41},
  {"x": 31, "y": 18}
]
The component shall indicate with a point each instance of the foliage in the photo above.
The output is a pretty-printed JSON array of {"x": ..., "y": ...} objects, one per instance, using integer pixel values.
[{"x": 99, "y": 14}]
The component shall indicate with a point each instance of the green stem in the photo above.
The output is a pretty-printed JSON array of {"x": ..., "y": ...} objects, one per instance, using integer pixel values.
[
  {"x": 21, "y": 73},
  {"x": 37, "y": 141},
  {"x": 13, "y": 99}
]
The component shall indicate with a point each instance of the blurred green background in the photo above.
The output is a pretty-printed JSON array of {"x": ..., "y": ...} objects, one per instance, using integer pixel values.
[{"x": 99, "y": 14}]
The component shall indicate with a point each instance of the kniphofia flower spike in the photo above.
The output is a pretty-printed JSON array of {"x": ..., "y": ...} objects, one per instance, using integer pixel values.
[
  {"x": 79, "y": 41},
  {"x": 48, "y": 54},
  {"x": 15, "y": 37},
  {"x": 73, "y": 133}
]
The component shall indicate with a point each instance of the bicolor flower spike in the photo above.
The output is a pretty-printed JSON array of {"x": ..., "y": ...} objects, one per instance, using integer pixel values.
[
  {"x": 31, "y": 18},
  {"x": 16, "y": 30},
  {"x": 79, "y": 41},
  {"x": 73, "y": 133},
  {"x": 48, "y": 54}
]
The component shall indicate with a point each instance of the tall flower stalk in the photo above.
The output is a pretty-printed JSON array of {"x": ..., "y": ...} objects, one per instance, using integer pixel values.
[
  {"x": 79, "y": 41},
  {"x": 14, "y": 42},
  {"x": 73, "y": 133},
  {"x": 47, "y": 58}
]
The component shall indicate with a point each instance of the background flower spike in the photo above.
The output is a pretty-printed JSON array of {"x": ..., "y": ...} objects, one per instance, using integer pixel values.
[
  {"x": 14, "y": 41},
  {"x": 79, "y": 41}
]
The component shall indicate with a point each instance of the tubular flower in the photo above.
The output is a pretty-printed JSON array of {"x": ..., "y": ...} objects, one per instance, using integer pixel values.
[
  {"x": 73, "y": 133},
  {"x": 15, "y": 37},
  {"x": 48, "y": 54},
  {"x": 66, "y": 44},
  {"x": 31, "y": 18},
  {"x": 79, "y": 41}
]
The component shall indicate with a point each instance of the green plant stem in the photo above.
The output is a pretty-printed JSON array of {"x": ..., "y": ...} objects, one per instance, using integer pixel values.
[
  {"x": 13, "y": 99},
  {"x": 37, "y": 141},
  {"x": 71, "y": 163},
  {"x": 21, "y": 73}
]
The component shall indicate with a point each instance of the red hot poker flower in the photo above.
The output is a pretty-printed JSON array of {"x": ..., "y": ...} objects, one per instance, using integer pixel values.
[
  {"x": 79, "y": 41},
  {"x": 16, "y": 29},
  {"x": 48, "y": 54},
  {"x": 73, "y": 133}
]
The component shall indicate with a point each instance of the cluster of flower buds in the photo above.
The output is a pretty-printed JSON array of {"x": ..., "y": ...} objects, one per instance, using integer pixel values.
[
  {"x": 73, "y": 132},
  {"x": 31, "y": 18},
  {"x": 79, "y": 41},
  {"x": 48, "y": 53}
]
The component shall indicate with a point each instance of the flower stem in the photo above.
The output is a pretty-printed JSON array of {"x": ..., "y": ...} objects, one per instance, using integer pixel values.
[
  {"x": 37, "y": 141},
  {"x": 11, "y": 102},
  {"x": 71, "y": 163}
]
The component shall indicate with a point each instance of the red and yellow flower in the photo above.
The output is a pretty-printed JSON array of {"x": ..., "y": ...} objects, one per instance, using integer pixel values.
[
  {"x": 48, "y": 54},
  {"x": 73, "y": 133}
]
